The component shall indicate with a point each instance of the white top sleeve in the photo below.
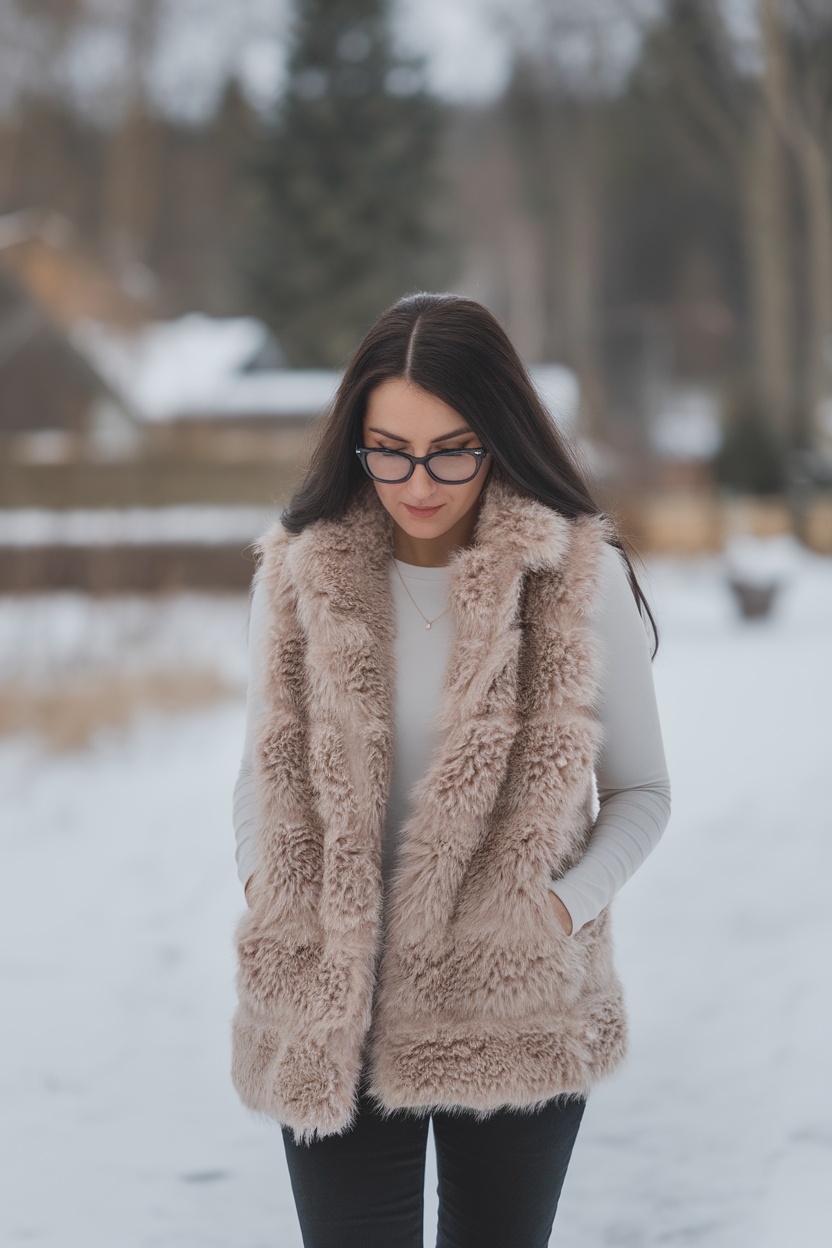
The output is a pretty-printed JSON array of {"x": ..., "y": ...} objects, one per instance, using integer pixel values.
[
  {"x": 632, "y": 779},
  {"x": 631, "y": 773}
]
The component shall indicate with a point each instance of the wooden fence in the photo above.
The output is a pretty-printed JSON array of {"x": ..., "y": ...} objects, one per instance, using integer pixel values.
[{"x": 674, "y": 524}]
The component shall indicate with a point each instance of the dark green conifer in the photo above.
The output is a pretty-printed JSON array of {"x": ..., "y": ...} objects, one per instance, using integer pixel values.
[{"x": 348, "y": 195}]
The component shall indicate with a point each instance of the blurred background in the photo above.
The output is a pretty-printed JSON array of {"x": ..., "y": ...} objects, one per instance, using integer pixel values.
[{"x": 203, "y": 207}]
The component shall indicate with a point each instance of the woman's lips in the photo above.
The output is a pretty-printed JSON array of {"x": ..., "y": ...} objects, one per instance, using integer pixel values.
[{"x": 423, "y": 512}]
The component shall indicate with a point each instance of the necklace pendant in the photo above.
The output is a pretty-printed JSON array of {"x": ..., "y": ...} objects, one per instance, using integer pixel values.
[{"x": 429, "y": 623}]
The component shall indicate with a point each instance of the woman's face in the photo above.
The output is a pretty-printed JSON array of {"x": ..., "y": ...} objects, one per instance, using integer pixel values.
[{"x": 401, "y": 416}]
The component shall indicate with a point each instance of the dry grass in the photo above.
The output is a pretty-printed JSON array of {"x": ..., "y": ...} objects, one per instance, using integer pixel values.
[{"x": 67, "y": 715}]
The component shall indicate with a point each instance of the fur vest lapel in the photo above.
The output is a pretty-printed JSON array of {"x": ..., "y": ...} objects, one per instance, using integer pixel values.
[{"x": 473, "y": 996}]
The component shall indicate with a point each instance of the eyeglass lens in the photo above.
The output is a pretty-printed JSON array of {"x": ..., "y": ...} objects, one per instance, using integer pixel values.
[{"x": 395, "y": 467}]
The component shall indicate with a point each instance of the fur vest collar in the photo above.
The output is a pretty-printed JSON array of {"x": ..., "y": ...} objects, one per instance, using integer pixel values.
[{"x": 474, "y": 996}]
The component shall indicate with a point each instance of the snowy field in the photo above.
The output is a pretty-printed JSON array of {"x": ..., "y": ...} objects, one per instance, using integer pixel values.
[{"x": 119, "y": 1127}]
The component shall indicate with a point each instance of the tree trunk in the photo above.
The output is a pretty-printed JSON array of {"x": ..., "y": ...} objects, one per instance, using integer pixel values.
[
  {"x": 801, "y": 123},
  {"x": 580, "y": 188},
  {"x": 131, "y": 178},
  {"x": 813, "y": 164},
  {"x": 767, "y": 240},
  {"x": 524, "y": 288}
]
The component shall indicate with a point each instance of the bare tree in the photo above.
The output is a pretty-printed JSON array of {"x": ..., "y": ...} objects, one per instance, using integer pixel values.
[
  {"x": 768, "y": 127},
  {"x": 33, "y": 39},
  {"x": 797, "y": 84},
  {"x": 555, "y": 104},
  {"x": 131, "y": 187}
]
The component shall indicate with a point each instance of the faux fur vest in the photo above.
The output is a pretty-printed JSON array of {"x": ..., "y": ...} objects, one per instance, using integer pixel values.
[{"x": 476, "y": 996}]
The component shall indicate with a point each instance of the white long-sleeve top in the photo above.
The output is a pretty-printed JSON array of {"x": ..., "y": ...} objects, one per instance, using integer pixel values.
[{"x": 631, "y": 772}]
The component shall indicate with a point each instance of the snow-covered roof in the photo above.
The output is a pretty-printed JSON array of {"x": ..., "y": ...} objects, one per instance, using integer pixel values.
[
  {"x": 687, "y": 423},
  {"x": 193, "y": 365},
  {"x": 197, "y": 366}
]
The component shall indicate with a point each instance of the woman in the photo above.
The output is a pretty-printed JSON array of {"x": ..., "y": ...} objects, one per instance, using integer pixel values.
[{"x": 446, "y": 650}]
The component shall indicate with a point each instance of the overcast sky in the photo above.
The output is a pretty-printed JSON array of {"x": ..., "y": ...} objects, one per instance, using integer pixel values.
[
  {"x": 466, "y": 47},
  {"x": 467, "y": 44}
]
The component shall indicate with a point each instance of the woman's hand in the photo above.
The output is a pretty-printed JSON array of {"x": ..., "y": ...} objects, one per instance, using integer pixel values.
[{"x": 564, "y": 917}]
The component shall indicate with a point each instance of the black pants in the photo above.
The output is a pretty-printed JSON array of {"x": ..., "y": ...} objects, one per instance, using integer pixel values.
[{"x": 500, "y": 1178}]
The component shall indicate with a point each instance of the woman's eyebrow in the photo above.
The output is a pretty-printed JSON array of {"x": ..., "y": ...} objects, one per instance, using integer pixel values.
[{"x": 396, "y": 438}]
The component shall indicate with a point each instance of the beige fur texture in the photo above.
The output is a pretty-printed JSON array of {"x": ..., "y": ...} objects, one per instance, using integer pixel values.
[{"x": 476, "y": 997}]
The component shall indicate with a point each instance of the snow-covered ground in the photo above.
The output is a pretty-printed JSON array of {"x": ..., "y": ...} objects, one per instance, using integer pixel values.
[{"x": 119, "y": 1127}]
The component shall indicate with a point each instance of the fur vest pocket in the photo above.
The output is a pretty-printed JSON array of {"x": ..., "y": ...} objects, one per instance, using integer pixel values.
[{"x": 472, "y": 995}]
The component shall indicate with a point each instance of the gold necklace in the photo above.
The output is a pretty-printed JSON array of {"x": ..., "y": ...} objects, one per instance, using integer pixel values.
[{"x": 415, "y": 603}]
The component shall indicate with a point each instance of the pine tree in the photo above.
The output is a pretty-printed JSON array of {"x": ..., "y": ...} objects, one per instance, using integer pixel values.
[{"x": 348, "y": 193}]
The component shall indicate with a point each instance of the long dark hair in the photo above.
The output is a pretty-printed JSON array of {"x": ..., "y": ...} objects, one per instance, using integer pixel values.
[{"x": 455, "y": 349}]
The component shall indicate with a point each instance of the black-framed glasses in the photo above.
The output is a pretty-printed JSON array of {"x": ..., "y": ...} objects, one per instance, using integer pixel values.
[{"x": 449, "y": 467}]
